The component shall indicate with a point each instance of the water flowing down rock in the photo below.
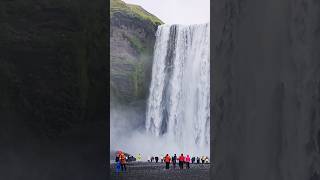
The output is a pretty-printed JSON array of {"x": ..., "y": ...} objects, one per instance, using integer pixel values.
[{"x": 179, "y": 100}]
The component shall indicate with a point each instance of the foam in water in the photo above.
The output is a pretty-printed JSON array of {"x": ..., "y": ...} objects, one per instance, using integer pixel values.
[{"x": 178, "y": 109}]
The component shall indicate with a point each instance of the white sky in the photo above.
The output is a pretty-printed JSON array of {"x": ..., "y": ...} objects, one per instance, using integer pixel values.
[{"x": 177, "y": 11}]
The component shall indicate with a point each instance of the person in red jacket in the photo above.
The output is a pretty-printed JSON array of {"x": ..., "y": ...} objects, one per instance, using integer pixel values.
[
  {"x": 181, "y": 161},
  {"x": 123, "y": 162},
  {"x": 167, "y": 160},
  {"x": 188, "y": 161}
]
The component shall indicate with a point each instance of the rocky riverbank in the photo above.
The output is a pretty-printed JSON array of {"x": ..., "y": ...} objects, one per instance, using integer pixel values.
[{"x": 146, "y": 170}]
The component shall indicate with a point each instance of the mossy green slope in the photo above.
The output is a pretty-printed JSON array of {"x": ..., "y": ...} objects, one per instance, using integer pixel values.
[
  {"x": 133, "y": 10},
  {"x": 132, "y": 37}
]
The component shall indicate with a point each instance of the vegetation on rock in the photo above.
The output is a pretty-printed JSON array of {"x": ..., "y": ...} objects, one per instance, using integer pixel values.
[
  {"x": 132, "y": 40},
  {"x": 133, "y": 10}
]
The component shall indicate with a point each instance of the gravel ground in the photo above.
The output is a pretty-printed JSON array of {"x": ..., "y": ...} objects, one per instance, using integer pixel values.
[{"x": 153, "y": 171}]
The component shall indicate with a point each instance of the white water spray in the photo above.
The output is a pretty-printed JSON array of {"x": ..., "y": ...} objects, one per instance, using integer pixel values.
[{"x": 178, "y": 110}]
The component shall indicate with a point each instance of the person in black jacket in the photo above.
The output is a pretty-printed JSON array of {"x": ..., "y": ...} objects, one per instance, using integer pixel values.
[
  {"x": 193, "y": 159},
  {"x": 117, "y": 157},
  {"x": 174, "y": 161}
]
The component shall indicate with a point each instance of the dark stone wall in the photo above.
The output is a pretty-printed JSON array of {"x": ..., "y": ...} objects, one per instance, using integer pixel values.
[
  {"x": 132, "y": 40},
  {"x": 266, "y": 89},
  {"x": 53, "y": 89},
  {"x": 131, "y": 55}
]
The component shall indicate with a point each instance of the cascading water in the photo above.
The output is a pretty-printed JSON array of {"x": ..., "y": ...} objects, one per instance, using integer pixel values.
[{"x": 178, "y": 109}]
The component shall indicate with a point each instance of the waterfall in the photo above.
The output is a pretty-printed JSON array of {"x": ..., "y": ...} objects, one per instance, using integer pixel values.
[{"x": 178, "y": 108}]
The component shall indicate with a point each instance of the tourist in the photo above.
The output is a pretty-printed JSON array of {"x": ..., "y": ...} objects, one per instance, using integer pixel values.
[
  {"x": 193, "y": 159},
  {"x": 198, "y": 160},
  {"x": 174, "y": 161},
  {"x": 206, "y": 160},
  {"x": 118, "y": 166},
  {"x": 181, "y": 161},
  {"x": 156, "y": 159},
  {"x": 167, "y": 160},
  {"x": 122, "y": 158},
  {"x": 188, "y": 161},
  {"x": 202, "y": 159},
  {"x": 139, "y": 158},
  {"x": 117, "y": 157},
  {"x": 152, "y": 158}
]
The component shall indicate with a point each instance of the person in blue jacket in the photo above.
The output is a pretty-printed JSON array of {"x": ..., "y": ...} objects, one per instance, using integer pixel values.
[{"x": 118, "y": 167}]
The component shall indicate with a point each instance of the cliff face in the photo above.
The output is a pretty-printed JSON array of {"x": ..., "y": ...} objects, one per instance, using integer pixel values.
[
  {"x": 266, "y": 90},
  {"x": 132, "y": 38},
  {"x": 53, "y": 78}
]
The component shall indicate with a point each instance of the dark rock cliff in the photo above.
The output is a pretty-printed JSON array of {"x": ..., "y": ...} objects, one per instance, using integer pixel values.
[
  {"x": 53, "y": 78},
  {"x": 266, "y": 90},
  {"x": 132, "y": 38}
]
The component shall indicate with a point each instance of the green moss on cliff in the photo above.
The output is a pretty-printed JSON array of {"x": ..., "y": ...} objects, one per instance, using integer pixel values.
[
  {"x": 136, "y": 43},
  {"x": 138, "y": 80},
  {"x": 133, "y": 31},
  {"x": 133, "y": 10}
]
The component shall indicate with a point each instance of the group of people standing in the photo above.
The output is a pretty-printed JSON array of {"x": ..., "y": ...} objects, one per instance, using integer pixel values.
[
  {"x": 121, "y": 161},
  {"x": 204, "y": 159},
  {"x": 182, "y": 160}
]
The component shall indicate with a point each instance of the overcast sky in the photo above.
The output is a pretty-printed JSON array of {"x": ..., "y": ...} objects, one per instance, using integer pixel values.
[{"x": 177, "y": 11}]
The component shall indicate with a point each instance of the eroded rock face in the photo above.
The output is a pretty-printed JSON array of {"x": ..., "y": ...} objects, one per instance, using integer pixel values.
[
  {"x": 131, "y": 53},
  {"x": 266, "y": 90},
  {"x": 132, "y": 39}
]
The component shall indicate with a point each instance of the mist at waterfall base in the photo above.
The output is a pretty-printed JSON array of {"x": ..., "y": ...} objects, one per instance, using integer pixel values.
[
  {"x": 177, "y": 118},
  {"x": 137, "y": 140}
]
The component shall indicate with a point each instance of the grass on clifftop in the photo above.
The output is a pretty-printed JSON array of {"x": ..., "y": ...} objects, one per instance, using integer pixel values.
[{"x": 133, "y": 10}]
